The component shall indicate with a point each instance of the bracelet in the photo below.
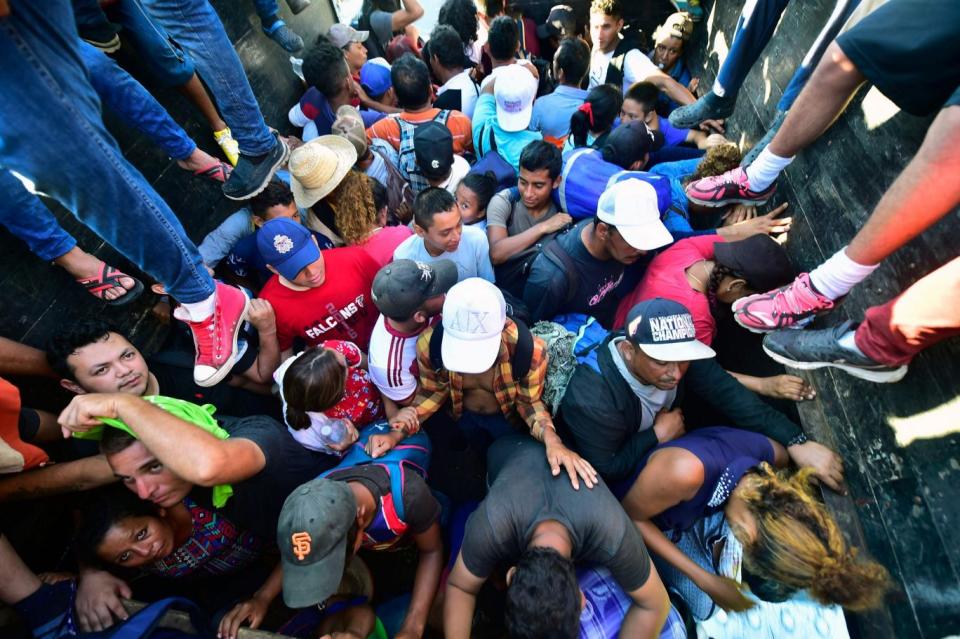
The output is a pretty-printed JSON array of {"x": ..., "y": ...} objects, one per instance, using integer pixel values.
[{"x": 798, "y": 439}]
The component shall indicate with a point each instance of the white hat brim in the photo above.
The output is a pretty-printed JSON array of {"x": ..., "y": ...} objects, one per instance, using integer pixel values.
[
  {"x": 678, "y": 351},
  {"x": 469, "y": 356},
  {"x": 645, "y": 237}
]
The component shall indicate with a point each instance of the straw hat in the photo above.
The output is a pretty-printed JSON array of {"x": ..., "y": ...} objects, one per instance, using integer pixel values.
[{"x": 318, "y": 167}]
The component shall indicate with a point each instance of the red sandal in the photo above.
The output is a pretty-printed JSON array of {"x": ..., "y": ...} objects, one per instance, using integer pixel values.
[
  {"x": 218, "y": 172},
  {"x": 110, "y": 278}
]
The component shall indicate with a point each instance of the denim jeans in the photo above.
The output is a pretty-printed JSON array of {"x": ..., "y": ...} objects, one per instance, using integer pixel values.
[
  {"x": 197, "y": 28},
  {"x": 165, "y": 61},
  {"x": 127, "y": 99},
  {"x": 42, "y": 74},
  {"x": 756, "y": 25},
  {"x": 26, "y": 217},
  {"x": 268, "y": 11}
]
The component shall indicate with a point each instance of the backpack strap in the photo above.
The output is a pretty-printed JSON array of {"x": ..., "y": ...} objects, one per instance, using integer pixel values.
[
  {"x": 142, "y": 624},
  {"x": 562, "y": 260},
  {"x": 436, "y": 339},
  {"x": 615, "y": 66}
]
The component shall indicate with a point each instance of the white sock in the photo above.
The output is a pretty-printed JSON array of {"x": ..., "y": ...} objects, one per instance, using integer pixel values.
[
  {"x": 201, "y": 310},
  {"x": 835, "y": 277},
  {"x": 766, "y": 169},
  {"x": 848, "y": 342}
]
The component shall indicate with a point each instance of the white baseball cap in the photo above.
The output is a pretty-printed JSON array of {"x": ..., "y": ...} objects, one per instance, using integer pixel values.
[
  {"x": 474, "y": 314},
  {"x": 514, "y": 91},
  {"x": 631, "y": 206}
]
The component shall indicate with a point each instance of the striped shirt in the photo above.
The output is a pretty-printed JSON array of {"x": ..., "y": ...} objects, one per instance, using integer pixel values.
[
  {"x": 392, "y": 360},
  {"x": 520, "y": 400}
]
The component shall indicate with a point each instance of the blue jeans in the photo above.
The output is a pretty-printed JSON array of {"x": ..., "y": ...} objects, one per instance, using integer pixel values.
[
  {"x": 197, "y": 28},
  {"x": 26, "y": 217},
  {"x": 127, "y": 98},
  {"x": 841, "y": 13},
  {"x": 165, "y": 61},
  {"x": 43, "y": 74},
  {"x": 267, "y": 10},
  {"x": 754, "y": 29}
]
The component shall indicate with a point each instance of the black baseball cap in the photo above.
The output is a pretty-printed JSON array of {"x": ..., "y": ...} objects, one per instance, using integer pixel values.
[
  {"x": 759, "y": 259},
  {"x": 664, "y": 330},
  {"x": 433, "y": 146},
  {"x": 561, "y": 23},
  {"x": 630, "y": 142},
  {"x": 402, "y": 286}
]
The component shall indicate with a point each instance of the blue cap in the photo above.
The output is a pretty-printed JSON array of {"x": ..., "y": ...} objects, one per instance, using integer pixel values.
[
  {"x": 375, "y": 79},
  {"x": 287, "y": 246},
  {"x": 664, "y": 330}
]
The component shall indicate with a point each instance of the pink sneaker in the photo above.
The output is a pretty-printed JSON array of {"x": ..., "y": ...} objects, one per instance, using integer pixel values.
[
  {"x": 793, "y": 306},
  {"x": 727, "y": 188},
  {"x": 215, "y": 338}
]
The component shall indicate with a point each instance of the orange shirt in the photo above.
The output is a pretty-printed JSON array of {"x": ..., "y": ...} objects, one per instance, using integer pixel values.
[{"x": 459, "y": 124}]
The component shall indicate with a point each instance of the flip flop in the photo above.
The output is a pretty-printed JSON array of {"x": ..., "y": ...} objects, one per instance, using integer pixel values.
[
  {"x": 217, "y": 172},
  {"x": 110, "y": 278}
]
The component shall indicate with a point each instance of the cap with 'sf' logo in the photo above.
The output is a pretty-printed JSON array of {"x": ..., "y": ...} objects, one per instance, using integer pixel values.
[{"x": 312, "y": 538}]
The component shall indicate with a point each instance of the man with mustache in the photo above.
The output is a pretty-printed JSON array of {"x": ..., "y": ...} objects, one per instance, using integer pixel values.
[{"x": 622, "y": 398}]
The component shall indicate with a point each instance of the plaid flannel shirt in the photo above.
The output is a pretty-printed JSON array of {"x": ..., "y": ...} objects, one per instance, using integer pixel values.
[{"x": 518, "y": 399}]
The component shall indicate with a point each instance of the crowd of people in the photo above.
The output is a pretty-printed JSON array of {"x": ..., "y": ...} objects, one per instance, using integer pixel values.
[{"x": 467, "y": 315}]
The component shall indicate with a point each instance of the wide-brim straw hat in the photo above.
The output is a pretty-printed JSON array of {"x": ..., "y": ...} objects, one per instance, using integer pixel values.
[{"x": 318, "y": 167}]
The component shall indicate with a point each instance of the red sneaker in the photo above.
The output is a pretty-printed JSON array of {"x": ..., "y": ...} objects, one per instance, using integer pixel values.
[
  {"x": 727, "y": 188},
  {"x": 215, "y": 338},
  {"x": 793, "y": 306}
]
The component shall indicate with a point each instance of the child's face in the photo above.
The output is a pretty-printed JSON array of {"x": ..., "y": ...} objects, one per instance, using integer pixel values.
[
  {"x": 137, "y": 541},
  {"x": 469, "y": 205}
]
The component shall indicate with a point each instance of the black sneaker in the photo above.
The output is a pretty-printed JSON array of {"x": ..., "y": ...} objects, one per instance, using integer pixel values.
[
  {"x": 102, "y": 35},
  {"x": 807, "y": 350},
  {"x": 252, "y": 174}
]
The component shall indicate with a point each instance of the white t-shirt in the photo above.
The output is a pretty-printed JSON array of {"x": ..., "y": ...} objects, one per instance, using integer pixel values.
[
  {"x": 392, "y": 360},
  {"x": 468, "y": 89},
  {"x": 458, "y": 171},
  {"x": 636, "y": 67},
  {"x": 472, "y": 256}
]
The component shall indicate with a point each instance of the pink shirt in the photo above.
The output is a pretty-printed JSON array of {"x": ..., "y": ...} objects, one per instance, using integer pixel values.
[
  {"x": 381, "y": 245},
  {"x": 666, "y": 277}
]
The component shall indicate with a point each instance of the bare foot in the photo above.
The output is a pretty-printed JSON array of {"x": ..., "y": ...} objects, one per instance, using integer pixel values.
[
  {"x": 197, "y": 161},
  {"x": 81, "y": 265}
]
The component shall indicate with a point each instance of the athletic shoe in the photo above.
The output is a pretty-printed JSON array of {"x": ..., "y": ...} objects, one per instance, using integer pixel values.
[
  {"x": 765, "y": 140},
  {"x": 690, "y": 6},
  {"x": 103, "y": 35},
  {"x": 709, "y": 107},
  {"x": 808, "y": 350},
  {"x": 793, "y": 306},
  {"x": 728, "y": 188},
  {"x": 296, "y": 6},
  {"x": 215, "y": 338},
  {"x": 228, "y": 145},
  {"x": 253, "y": 173},
  {"x": 283, "y": 35}
]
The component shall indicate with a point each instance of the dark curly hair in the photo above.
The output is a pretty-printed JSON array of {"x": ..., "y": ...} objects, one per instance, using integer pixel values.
[
  {"x": 462, "y": 16},
  {"x": 276, "y": 193},
  {"x": 325, "y": 68},
  {"x": 543, "y": 599},
  {"x": 72, "y": 336}
]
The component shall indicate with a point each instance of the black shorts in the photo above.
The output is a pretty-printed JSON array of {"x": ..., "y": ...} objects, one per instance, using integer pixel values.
[{"x": 909, "y": 50}]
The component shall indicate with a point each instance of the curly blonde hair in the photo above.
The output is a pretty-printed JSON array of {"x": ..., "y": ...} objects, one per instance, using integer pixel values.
[
  {"x": 718, "y": 160},
  {"x": 799, "y": 545},
  {"x": 354, "y": 211}
]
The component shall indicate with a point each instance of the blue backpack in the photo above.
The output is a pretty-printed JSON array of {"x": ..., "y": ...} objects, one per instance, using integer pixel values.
[
  {"x": 572, "y": 340},
  {"x": 389, "y": 524},
  {"x": 586, "y": 175},
  {"x": 146, "y": 623}
]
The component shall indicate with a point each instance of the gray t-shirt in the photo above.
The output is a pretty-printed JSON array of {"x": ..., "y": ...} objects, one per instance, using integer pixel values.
[
  {"x": 524, "y": 493},
  {"x": 381, "y": 24},
  {"x": 514, "y": 216}
]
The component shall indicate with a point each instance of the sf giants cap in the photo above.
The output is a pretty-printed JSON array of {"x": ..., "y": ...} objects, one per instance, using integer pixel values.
[
  {"x": 401, "y": 287},
  {"x": 312, "y": 537},
  {"x": 663, "y": 329},
  {"x": 514, "y": 91},
  {"x": 474, "y": 315}
]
